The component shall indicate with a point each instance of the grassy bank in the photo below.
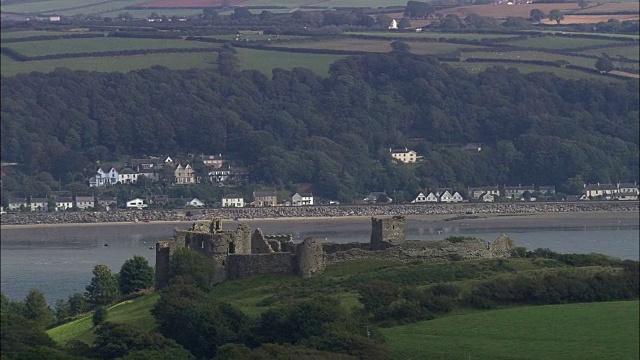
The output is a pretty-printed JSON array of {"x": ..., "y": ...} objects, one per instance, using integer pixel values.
[{"x": 574, "y": 331}]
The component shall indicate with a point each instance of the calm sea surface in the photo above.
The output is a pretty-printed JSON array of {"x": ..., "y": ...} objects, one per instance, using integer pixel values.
[{"x": 59, "y": 260}]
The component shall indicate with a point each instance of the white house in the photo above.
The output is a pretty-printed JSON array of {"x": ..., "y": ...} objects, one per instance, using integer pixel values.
[
  {"x": 136, "y": 203},
  {"x": 405, "y": 155},
  {"x": 232, "y": 201},
  {"x": 85, "y": 202},
  {"x": 301, "y": 199},
  {"x": 488, "y": 197},
  {"x": 63, "y": 203},
  {"x": 393, "y": 25},
  {"x": 39, "y": 204},
  {"x": 16, "y": 203},
  {"x": 128, "y": 176},
  {"x": 104, "y": 178},
  {"x": 477, "y": 192},
  {"x": 606, "y": 191},
  {"x": 627, "y": 191},
  {"x": 419, "y": 199},
  {"x": 516, "y": 192},
  {"x": 195, "y": 203}
]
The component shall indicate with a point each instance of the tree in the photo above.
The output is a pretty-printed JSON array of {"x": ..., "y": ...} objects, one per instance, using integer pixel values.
[
  {"x": 537, "y": 15},
  {"x": 99, "y": 315},
  {"x": 135, "y": 275},
  {"x": 103, "y": 288},
  {"x": 18, "y": 333},
  {"x": 556, "y": 15},
  {"x": 404, "y": 23},
  {"x": 188, "y": 264},
  {"x": 384, "y": 21},
  {"x": 400, "y": 46},
  {"x": 77, "y": 304},
  {"x": 36, "y": 309},
  {"x": 583, "y": 4},
  {"x": 242, "y": 13},
  {"x": 604, "y": 65}
]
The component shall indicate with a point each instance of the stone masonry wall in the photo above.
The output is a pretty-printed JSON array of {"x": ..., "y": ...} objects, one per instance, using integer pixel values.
[
  {"x": 387, "y": 232},
  {"x": 243, "y": 266}
]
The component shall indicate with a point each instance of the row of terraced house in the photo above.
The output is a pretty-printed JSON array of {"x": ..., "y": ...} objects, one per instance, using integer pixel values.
[
  {"x": 484, "y": 194},
  {"x": 60, "y": 203},
  {"x": 219, "y": 171}
]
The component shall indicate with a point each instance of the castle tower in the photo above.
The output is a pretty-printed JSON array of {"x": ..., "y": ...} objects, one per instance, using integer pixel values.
[
  {"x": 310, "y": 258},
  {"x": 387, "y": 232}
]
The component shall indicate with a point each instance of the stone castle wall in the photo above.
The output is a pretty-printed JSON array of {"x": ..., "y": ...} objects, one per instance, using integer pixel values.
[
  {"x": 247, "y": 265},
  {"x": 387, "y": 232}
]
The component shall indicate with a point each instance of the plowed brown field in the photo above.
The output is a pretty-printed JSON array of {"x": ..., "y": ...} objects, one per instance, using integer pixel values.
[{"x": 188, "y": 3}]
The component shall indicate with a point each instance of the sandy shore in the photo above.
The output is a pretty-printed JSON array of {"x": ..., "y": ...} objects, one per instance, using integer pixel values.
[{"x": 542, "y": 220}]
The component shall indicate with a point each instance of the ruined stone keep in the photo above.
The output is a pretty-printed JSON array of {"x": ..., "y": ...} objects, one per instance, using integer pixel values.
[{"x": 239, "y": 253}]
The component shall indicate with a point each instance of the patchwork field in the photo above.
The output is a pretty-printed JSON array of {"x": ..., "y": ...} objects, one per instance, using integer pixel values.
[
  {"x": 529, "y": 68},
  {"x": 592, "y": 19},
  {"x": 630, "y": 52},
  {"x": 381, "y": 46},
  {"x": 531, "y": 55},
  {"x": 502, "y": 11},
  {"x": 57, "y": 6},
  {"x": 265, "y": 61},
  {"x": 177, "y": 61},
  {"x": 559, "y": 42},
  {"x": 433, "y": 35},
  {"x": 71, "y": 46},
  {"x": 575, "y": 331},
  {"x": 611, "y": 7},
  {"x": 188, "y": 3}
]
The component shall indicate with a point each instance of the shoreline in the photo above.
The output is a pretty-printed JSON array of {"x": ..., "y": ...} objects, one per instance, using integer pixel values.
[{"x": 538, "y": 219}]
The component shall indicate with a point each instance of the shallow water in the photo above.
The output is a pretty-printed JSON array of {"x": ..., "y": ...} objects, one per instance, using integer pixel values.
[{"x": 59, "y": 260}]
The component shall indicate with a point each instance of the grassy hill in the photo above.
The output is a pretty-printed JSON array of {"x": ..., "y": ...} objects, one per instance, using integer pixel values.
[
  {"x": 573, "y": 331},
  {"x": 579, "y": 331}
]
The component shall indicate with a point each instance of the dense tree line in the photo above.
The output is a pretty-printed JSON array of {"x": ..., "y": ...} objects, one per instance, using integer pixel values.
[{"x": 335, "y": 131}]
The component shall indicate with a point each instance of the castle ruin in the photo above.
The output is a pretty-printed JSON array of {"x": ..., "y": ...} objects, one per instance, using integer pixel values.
[{"x": 239, "y": 253}]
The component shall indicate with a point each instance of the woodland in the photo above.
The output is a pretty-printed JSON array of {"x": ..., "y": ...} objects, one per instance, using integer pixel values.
[{"x": 333, "y": 132}]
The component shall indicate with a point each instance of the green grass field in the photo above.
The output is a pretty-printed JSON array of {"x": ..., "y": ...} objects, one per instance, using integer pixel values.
[
  {"x": 133, "y": 312},
  {"x": 380, "y": 46},
  {"x": 631, "y": 52},
  {"x": 71, "y": 46},
  {"x": 53, "y": 5},
  {"x": 432, "y": 35},
  {"x": 177, "y": 61},
  {"x": 529, "y": 68},
  {"x": 32, "y": 33},
  {"x": 531, "y": 55},
  {"x": 265, "y": 61},
  {"x": 557, "y": 42},
  {"x": 574, "y": 331}
]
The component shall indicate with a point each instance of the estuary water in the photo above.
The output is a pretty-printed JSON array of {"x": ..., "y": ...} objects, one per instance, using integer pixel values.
[{"x": 58, "y": 260}]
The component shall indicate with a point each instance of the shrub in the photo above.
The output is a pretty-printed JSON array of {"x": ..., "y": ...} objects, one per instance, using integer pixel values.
[{"x": 99, "y": 315}]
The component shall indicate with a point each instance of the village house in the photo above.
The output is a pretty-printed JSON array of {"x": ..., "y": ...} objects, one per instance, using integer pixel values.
[
  {"x": 604, "y": 191},
  {"x": 150, "y": 174},
  {"x": 232, "y": 200},
  {"x": 302, "y": 199},
  {"x": 472, "y": 148},
  {"x": 547, "y": 190},
  {"x": 421, "y": 198},
  {"x": 17, "y": 203},
  {"x": 84, "y": 202},
  {"x": 627, "y": 191},
  {"x": 517, "y": 192},
  {"x": 63, "y": 203},
  {"x": 477, "y": 192},
  {"x": 108, "y": 202},
  {"x": 39, "y": 204},
  {"x": 136, "y": 203},
  {"x": 449, "y": 196},
  {"x": 195, "y": 202},
  {"x": 104, "y": 177},
  {"x": 159, "y": 199},
  {"x": 185, "y": 175},
  {"x": 488, "y": 197},
  {"x": 405, "y": 155},
  {"x": 264, "y": 198},
  {"x": 214, "y": 161},
  {"x": 376, "y": 197},
  {"x": 127, "y": 176},
  {"x": 440, "y": 195}
]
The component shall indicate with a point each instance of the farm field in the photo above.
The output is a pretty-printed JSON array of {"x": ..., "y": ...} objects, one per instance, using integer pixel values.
[
  {"x": 610, "y": 7},
  {"x": 592, "y": 19},
  {"x": 265, "y": 61},
  {"x": 71, "y": 46},
  {"x": 54, "y": 5},
  {"x": 531, "y": 55},
  {"x": 175, "y": 61},
  {"x": 502, "y": 11},
  {"x": 630, "y": 52},
  {"x": 574, "y": 331},
  {"x": 187, "y": 3},
  {"x": 433, "y": 35},
  {"x": 529, "y": 68},
  {"x": 559, "y": 42},
  {"x": 381, "y": 46},
  {"x": 256, "y": 37},
  {"x": 143, "y": 14},
  {"x": 32, "y": 33}
]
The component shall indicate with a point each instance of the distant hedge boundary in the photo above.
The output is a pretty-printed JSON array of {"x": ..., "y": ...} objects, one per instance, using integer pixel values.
[{"x": 15, "y": 55}]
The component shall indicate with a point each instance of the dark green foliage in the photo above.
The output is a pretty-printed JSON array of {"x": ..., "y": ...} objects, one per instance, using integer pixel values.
[
  {"x": 43, "y": 352},
  {"x": 37, "y": 310},
  {"x": 603, "y": 64},
  {"x": 10, "y": 306},
  {"x": 196, "y": 321},
  {"x": 378, "y": 294},
  {"x": 135, "y": 275},
  {"x": 77, "y": 304},
  {"x": 103, "y": 288},
  {"x": 18, "y": 333},
  {"x": 556, "y": 15},
  {"x": 119, "y": 340},
  {"x": 336, "y": 130},
  {"x": 189, "y": 265},
  {"x": 99, "y": 315},
  {"x": 537, "y": 14}
]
